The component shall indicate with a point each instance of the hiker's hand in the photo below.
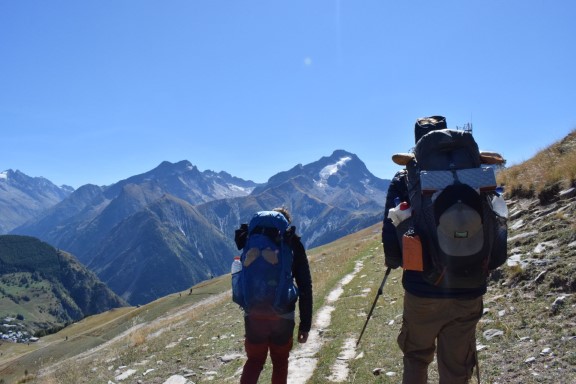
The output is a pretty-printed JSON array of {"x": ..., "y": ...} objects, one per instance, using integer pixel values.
[
  {"x": 392, "y": 262},
  {"x": 302, "y": 337}
]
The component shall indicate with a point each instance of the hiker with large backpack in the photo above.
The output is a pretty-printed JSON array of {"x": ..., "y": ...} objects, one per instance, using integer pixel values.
[
  {"x": 272, "y": 274},
  {"x": 442, "y": 226}
]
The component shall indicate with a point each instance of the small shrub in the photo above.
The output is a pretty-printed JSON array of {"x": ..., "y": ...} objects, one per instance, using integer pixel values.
[
  {"x": 515, "y": 273},
  {"x": 522, "y": 192},
  {"x": 26, "y": 379},
  {"x": 138, "y": 338},
  {"x": 549, "y": 194}
]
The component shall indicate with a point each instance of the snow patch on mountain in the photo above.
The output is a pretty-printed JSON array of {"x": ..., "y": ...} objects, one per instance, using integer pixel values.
[
  {"x": 242, "y": 190},
  {"x": 368, "y": 186},
  {"x": 330, "y": 170},
  {"x": 222, "y": 190}
]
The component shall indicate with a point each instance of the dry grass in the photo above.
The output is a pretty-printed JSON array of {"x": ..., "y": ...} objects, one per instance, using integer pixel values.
[
  {"x": 549, "y": 170},
  {"x": 167, "y": 337}
]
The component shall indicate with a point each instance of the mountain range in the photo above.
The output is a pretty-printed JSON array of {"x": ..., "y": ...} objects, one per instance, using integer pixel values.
[
  {"x": 23, "y": 197},
  {"x": 165, "y": 230}
]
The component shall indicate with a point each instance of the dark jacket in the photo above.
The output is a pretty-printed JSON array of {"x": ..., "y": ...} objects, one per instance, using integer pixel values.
[
  {"x": 412, "y": 281},
  {"x": 301, "y": 272}
]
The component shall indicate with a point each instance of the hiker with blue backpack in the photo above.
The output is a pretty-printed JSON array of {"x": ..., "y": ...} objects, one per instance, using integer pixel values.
[
  {"x": 272, "y": 274},
  {"x": 441, "y": 226}
]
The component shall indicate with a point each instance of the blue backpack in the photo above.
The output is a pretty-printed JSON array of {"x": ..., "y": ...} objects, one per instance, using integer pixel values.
[{"x": 265, "y": 284}]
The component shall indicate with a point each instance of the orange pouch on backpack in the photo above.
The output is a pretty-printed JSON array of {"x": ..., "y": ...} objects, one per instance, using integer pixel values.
[{"x": 412, "y": 253}]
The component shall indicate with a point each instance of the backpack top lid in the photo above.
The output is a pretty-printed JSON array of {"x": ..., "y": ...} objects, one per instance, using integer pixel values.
[
  {"x": 424, "y": 125},
  {"x": 269, "y": 219},
  {"x": 447, "y": 149}
]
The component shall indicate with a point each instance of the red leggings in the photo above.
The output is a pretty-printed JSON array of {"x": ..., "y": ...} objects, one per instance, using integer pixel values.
[{"x": 263, "y": 335}]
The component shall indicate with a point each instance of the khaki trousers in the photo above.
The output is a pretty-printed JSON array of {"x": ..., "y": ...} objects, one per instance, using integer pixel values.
[{"x": 445, "y": 326}]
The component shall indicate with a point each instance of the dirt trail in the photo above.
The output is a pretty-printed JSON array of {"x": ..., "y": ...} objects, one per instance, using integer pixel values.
[{"x": 303, "y": 359}]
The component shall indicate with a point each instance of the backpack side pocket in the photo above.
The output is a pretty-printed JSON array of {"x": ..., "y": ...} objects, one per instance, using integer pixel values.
[{"x": 412, "y": 253}]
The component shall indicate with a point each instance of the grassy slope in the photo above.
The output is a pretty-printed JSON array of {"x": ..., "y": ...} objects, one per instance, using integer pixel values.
[
  {"x": 174, "y": 340},
  {"x": 16, "y": 359},
  {"x": 552, "y": 168},
  {"x": 38, "y": 293},
  {"x": 46, "y": 288},
  {"x": 200, "y": 337}
]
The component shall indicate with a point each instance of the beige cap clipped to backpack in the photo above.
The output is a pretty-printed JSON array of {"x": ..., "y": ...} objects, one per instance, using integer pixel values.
[{"x": 460, "y": 231}]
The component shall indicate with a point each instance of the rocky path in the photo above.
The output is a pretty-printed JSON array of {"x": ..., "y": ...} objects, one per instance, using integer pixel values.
[{"x": 304, "y": 358}]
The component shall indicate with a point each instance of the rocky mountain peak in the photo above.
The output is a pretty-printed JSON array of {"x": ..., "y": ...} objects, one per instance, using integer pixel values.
[{"x": 23, "y": 197}]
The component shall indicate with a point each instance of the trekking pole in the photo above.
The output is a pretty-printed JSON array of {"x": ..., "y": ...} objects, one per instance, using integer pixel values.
[{"x": 374, "y": 303}]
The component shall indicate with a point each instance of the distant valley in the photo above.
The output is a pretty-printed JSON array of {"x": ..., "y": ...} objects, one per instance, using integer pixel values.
[{"x": 43, "y": 289}]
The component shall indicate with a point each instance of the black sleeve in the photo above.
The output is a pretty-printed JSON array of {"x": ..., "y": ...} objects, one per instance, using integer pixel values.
[
  {"x": 240, "y": 236},
  {"x": 303, "y": 279},
  {"x": 392, "y": 247}
]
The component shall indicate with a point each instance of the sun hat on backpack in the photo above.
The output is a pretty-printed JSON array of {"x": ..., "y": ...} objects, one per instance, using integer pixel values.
[{"x": 424, "y": 125}]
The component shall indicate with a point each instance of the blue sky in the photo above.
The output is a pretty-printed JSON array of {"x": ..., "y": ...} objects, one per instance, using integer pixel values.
[{"x": 97, "y": 91}]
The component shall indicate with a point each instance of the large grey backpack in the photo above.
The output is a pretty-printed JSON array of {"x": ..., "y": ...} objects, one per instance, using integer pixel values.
[{"x": 462, "y": 237}]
